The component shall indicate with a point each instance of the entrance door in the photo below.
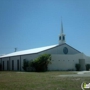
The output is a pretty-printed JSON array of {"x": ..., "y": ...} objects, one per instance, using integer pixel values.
[{"x": 82, "y": 64}]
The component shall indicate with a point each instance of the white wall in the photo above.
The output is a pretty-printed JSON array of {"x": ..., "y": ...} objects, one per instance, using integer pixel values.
[
  {"x": 5, "y": 62},
  {"x": 28, "y": 57},
  {"x": 64, "y": 62},
  {"x": 15, "y": 62},
  {"x": 87, "y": 59}
]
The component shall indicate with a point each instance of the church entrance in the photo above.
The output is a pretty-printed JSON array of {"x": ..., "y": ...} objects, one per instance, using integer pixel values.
[{"x": 82, "y": 64}]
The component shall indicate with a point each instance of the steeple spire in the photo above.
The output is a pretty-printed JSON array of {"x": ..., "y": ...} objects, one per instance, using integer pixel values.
[
  {"x": 61, "y": 26},
  {"x": 62, "y": 35}
]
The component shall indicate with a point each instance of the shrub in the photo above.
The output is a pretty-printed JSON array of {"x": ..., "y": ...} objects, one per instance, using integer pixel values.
[
  {"x": 77, "y": 67},
  {"x": 87, "y": 66},
  {"x": 25, "y": 65},
  {"x": 41, "y": 63}
]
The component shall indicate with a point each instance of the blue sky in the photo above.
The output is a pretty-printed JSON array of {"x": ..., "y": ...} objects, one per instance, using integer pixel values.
[{"x": 27, "y": 24}]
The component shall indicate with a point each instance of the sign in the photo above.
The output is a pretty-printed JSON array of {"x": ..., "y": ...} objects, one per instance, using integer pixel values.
[{"x": 85, "y": 86}]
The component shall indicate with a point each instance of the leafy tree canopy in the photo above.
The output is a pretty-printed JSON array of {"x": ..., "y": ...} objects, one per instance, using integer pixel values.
[{"x": 39, "y": 64}]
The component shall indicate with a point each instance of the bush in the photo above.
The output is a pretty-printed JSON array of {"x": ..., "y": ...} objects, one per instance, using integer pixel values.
[
  {"x": 25, "y": 65},
  {"x": 77, "y": 67},
  {"x": 41, "y": 63},
  {"x": 87, "y": 66}
]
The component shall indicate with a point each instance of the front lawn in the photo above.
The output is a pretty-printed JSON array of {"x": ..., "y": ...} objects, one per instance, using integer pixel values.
[{"x": 39, "y": 81}]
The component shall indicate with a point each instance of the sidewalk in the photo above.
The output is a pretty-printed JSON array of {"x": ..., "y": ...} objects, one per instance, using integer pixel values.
[{"x": 79, "y": 74}]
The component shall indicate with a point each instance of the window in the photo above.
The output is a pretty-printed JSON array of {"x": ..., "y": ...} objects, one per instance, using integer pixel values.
[
  {"x": 3, "y": 65},
  {"x": 17, "y": 64},
  {"x": 7, "y": 65},
  {"x": 60, "y": 38},
  {"x": 63, "y": 38},
  {"x": 65, "y": 50},
  {"x": 24, "y": 60},
  {"x": 12, "y": 64}
]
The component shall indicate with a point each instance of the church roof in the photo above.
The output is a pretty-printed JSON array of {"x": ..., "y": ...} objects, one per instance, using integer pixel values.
[
  {"x": 35, "y": 50},
  {"x": 29, "y": 51}
]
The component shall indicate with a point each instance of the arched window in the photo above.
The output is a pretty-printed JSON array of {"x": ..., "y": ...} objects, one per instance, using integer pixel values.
[
  {"x": 12, "y": 64},
  {"x": 17, "y": 64},
  {"x": 60, "y": 38},
  {"x": 63, "y": 38}
]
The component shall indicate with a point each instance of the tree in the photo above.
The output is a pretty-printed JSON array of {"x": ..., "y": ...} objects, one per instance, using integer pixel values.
[
  {"x": 41, "y": 63},
  {"x": 25, "y": 64}
]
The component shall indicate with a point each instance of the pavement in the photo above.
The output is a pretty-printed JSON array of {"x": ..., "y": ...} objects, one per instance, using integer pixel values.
[{"x": 78, "y": 74}]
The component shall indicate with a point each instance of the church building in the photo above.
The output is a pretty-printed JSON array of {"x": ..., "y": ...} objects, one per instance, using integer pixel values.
[{"x": 63, "y": 56}]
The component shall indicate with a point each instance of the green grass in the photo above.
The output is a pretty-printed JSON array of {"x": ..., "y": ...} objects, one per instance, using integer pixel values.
[{"x": 39, "y": 81}]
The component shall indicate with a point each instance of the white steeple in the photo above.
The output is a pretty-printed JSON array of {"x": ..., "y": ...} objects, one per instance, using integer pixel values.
[
  {"x": 62, "y": 35},
  {"x": 61, "y": 27}
]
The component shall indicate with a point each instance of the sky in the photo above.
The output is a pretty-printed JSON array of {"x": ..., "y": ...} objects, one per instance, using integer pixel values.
[{"x": 26, "y": 24}]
